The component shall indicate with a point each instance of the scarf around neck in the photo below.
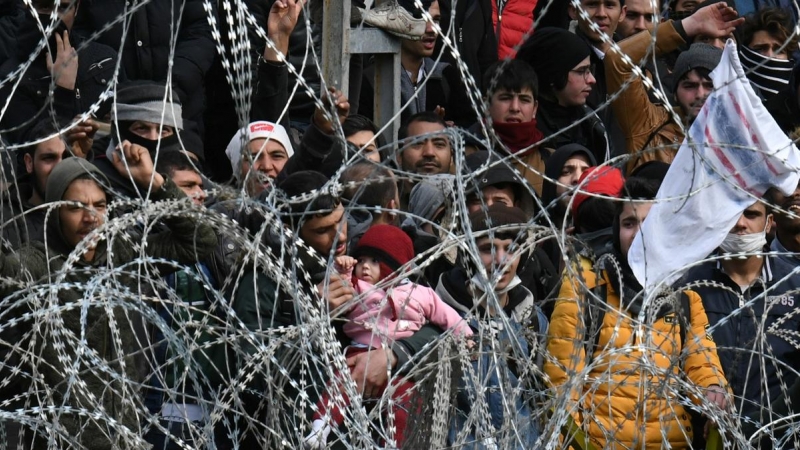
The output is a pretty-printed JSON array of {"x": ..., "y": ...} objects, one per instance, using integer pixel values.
[{"x": 518, "y": 136}]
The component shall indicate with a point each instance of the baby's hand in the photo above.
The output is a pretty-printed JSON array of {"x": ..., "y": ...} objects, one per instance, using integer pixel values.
[{"x": 344, "y": 264}]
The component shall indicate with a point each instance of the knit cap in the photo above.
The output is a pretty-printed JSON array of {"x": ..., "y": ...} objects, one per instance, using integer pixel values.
[
  {"x": 597, "y": 180},
  {"x": 390, "y": 245},
  {"x": 699, "y": 56},
  {"x": 147, "y": 101},
  {"x": 553, "y": 52}
]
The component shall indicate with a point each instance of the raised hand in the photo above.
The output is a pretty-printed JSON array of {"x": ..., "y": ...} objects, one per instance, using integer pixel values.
[
  {"x": 715, "y": 20},
  {"x": 65, "y": 68},
  {"x": 81, "y": 137},
  {"x": 281, "y": 21},
  {"x": 134, "y": 161},
  {"x": 342, "y": 110}
]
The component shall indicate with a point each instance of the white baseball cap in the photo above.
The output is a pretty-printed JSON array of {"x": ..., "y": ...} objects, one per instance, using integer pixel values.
[{"x": 256, "y": 130}]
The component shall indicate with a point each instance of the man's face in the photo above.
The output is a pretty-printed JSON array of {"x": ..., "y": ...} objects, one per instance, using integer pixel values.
[
  {"x": 150, "y": 130},
  {"x": 191, "y": 183},
  {"x": 365, "y": 140},
  {"x": 423, "y": 48},
  {"x": 368, "y": 269},
  {"x": 504, "y": 194},
  {"x": 498, "y": 258},
  {"x": 754, "y": 219},
  {"x": 268, "y": 158},
  {"x": 428, "y": 150},
  {"x": 692, "y": 93},
  {"x": 718, "y": 42},
  {"x": 570, "y": 174},
  {"x": 637, "y": 15},
  {"x": 632, "y": 216},
  {"x": 579, "y": 85},
  {"x": 605, "y": 13},
  {"x": 87, "y": 213},
  {"x": 768, "y": 45},
  {"x": 786, "y": 225},
  {"x": 512, "y": 107},
  {"x": 321, "y": 232},
  {"x": 45, "y": 157}
]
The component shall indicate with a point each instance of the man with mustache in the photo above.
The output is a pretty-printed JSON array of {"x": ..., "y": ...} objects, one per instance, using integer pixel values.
[
  {"x": 426, "y": 150},
  {"x": 649, "y": 130}
]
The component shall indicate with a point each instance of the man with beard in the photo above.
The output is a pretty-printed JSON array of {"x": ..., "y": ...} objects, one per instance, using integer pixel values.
[
  {"x": 21, "y": 200},
  {"x": 263, "y": 302},
  {"x": 426, "y": 150}
]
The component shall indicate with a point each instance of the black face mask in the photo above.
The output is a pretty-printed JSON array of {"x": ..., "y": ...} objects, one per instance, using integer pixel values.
[{"x": 679, "y": 15}]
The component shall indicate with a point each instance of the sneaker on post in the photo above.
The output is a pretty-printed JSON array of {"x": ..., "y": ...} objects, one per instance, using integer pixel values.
[{"x": 394, "y": 19}]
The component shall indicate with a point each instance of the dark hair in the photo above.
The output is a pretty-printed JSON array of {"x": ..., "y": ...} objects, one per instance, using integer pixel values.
[
  {"x": 637, "y": 188},
  {"x": 355, "y": 123},
  {"x": 170, "y": 161},
  {"x": 702, "y": 72},
  {"x": 305, "y": 182},
  {"x": 595, "y": 214},
  {"x": 367, "y": 190},
  {"x": 775, "y": 22},
  {"x": 424, "y": 116},
  {"x": 41, "y": 129},
  {"x": 512, "y": 75}
]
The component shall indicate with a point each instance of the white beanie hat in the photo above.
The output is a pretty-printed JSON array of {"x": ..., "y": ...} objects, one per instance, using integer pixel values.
[{"x": 256, "y": 130}]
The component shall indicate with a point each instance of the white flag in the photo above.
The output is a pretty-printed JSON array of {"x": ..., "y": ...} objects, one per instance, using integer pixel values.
[{"x": 735, "y": 154}]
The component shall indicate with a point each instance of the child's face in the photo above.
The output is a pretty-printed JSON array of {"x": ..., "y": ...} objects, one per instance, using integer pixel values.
[{"x": 367, "y": 269}]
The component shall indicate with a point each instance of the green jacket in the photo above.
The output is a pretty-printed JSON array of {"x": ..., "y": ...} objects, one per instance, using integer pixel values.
[{"x": 85, "y": 357}]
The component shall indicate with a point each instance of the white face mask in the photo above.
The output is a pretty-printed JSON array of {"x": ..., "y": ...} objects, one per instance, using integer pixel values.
[{"x": 744, "y": 243}]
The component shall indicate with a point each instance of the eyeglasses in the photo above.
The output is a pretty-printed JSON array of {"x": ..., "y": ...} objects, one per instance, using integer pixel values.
[{"x": 584, "y": 71}]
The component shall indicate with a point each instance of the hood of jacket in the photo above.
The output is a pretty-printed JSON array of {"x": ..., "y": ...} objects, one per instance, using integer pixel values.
[
  {"x": 63, "y": 174},
  {"x": 454, "y": 289},
  {"x": 555, "y": 162}
]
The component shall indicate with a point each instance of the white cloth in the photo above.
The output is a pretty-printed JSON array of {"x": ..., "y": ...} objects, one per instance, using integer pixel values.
[{"x": 734, "y": 153}]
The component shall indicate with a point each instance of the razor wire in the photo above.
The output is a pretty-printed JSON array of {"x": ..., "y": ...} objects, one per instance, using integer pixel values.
[{"x": 256, "y": 384}]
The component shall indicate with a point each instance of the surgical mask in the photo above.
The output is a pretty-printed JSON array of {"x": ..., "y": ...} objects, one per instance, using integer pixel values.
[{"x": 744, "y": 243}]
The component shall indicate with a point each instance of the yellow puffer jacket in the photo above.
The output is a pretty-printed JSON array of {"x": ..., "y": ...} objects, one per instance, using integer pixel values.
[{"x": 628, "y": 398}]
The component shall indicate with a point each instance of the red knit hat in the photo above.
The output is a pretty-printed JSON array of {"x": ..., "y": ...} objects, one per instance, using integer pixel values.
[
  {"x": 390, "y": 245},
  {"x": 602, "y": 180}
]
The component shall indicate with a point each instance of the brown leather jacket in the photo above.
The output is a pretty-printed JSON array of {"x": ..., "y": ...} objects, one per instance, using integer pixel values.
[{"x": 651, "y": 131}]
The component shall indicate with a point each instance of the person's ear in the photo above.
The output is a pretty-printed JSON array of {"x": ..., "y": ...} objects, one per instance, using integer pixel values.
[
  {"x": 28, "y": 158},
  {"x": 770, "y": 223},
  {"x": 535, "y": 107}
]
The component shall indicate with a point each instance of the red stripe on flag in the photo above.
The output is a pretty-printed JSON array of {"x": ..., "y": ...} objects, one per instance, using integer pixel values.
[
  {"x": 749, "y": 129},
  {"x": 724, "y": 159}
]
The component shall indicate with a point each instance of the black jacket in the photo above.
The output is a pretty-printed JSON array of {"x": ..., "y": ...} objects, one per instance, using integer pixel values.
[
  {"x": 32, "y": 100},
  {"x": 20, "y": 225},
  {"x": 476, "y": 42},
  {"x": 147, "y": 46},
  {"x": 591, "y": 133},
  {"x": 756, "y": 340}
]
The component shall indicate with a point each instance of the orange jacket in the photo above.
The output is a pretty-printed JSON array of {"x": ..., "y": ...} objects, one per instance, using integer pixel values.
[{"x": 615, "y": 398}]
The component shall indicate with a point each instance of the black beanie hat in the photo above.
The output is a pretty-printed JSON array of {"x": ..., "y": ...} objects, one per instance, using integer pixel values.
[
  {"x": 699, "y": 56},
  {"x": 553, "y": 52}
]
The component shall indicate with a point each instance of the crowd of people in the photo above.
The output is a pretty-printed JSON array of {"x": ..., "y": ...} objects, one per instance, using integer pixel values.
[{"x": 205, "y": 246}]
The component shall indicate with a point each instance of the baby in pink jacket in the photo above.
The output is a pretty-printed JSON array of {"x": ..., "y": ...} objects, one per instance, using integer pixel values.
[{"x": 383, "y": 316}]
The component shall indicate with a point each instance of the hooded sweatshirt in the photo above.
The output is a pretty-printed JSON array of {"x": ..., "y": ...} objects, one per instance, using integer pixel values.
[{"x": 101, "y": 325}]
